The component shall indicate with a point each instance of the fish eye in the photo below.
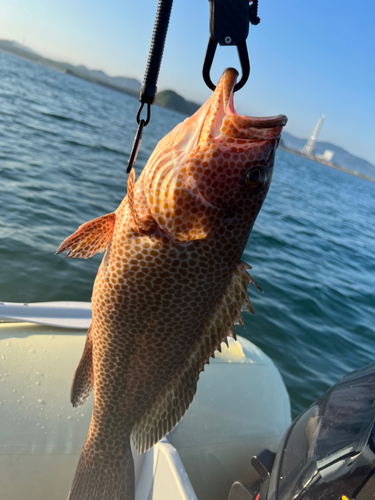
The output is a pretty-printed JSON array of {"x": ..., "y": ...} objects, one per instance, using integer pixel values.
[{"x": 255, "y": 177}]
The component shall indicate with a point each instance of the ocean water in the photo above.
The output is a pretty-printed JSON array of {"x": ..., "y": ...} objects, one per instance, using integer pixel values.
[{"x": 64, "y": 146}]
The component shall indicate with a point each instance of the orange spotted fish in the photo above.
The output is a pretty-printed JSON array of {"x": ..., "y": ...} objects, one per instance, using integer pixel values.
[{"x": 171, "y": 284}]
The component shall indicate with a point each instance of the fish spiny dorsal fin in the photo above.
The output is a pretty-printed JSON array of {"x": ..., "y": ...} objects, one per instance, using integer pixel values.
[
  {"x": 176, "y": 397},
  {"x": 83, "y": 380},
  {"x": 142, "y": 225},
  {"x": 90, "y": 238}
]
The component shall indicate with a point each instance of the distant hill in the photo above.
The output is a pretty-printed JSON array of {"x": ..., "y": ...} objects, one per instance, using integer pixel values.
[
  {"x": 171, "y": 100},
  {"x": 11, "y": 45},
  {"x": 123, "y": 84},
  {"x": 118, "y": 81},
  {"x": 341, "y": 157}
]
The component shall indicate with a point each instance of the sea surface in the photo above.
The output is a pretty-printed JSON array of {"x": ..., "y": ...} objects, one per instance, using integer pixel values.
[{"x": 64, "y": 146}]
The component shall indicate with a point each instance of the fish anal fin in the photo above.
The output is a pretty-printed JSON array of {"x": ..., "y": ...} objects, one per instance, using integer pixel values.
[
  {"x": 169, "y": 407},
  {"x": 175, "y": 398},
  {"x": 90, "y": 238},
  {"x": 83, "y": 380}
]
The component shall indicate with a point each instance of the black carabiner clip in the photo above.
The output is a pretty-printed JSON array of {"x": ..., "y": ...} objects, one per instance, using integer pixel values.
[
  {"x": 242, "y": 55},
  {"x": 229, "y": 25}
]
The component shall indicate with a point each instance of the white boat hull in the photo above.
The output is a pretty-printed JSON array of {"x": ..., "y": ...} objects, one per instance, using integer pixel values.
[{"x": 241, "y": 407}]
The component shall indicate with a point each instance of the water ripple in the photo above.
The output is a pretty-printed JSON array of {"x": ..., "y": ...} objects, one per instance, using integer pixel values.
[{"x": 64, "y": 145}]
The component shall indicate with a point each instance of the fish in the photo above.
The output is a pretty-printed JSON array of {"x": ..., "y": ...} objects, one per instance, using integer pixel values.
[{"x": 171, "y": 285}]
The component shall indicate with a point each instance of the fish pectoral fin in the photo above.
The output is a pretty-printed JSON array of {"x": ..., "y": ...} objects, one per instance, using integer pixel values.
[
  {"x": 91, "y": 238},
  {"x": 83, "y": 380}
]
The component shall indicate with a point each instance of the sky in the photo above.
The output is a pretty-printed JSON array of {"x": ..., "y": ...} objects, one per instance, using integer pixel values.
[{"x": 307, "y": 58}]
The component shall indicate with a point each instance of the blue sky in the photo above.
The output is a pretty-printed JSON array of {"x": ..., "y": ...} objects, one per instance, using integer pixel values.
[{"x": 307, "y": 58}]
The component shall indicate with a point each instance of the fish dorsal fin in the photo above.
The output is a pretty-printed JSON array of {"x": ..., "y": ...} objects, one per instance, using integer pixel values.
[
  {"x": 90, "y": 238},
  {"x": 83, "y": 380},
  {"x": 142, "y": 224},
  {"x": 176, "y": 397}
]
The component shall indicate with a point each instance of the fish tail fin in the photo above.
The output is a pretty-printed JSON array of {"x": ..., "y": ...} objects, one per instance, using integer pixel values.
[{"x": 104, "y": 472}]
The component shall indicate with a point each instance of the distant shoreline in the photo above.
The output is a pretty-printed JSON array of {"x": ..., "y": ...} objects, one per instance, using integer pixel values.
[
  {"x": 166, "y": 99},
  {"x": 96, "y": 81},
  {"x": 326, "y": 163},
  {"x": 61, "y": 67}
]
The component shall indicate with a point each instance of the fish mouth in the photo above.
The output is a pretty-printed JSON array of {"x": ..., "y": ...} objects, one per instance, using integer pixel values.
[
  {"x": 267, "y": 121},
  {"x": 240, "y": 126}
]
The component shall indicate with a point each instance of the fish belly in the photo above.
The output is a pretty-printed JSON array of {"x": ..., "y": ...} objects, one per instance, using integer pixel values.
[{"x": 150, "y": 305}]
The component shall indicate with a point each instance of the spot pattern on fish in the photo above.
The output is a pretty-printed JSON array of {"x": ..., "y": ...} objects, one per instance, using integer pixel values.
[
  {"x": 171, "y": 285},
  {"x": 177, "y": 396}
]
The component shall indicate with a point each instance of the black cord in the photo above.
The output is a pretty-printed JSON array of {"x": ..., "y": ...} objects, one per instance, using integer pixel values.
[
  {"x": 148, "y": 89},
  {"x": 149, "y": 86}
]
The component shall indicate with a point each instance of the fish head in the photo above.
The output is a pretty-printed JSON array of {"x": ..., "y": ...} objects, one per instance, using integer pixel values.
[{"x": 213, "y": 169}]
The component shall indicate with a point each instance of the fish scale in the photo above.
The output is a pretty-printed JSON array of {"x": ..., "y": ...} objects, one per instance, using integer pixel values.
[{"x": 171, "y": 285}]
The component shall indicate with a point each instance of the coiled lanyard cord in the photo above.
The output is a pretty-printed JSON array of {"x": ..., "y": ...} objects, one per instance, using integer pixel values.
[
  {"x": 148, "y": 89},
  {"x": 229, "y": 25}
]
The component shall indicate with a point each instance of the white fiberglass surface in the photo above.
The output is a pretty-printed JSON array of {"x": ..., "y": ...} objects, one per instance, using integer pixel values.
[{"x": 241, "y": 399}]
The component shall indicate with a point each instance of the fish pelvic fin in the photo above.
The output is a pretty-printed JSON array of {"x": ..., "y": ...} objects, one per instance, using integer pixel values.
[
  {"x": 176, "y": 397},
  {"x": 90, "y": 238},
  {"x": 83, "y": 380},
  {"x": 105, "y": 470}
]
